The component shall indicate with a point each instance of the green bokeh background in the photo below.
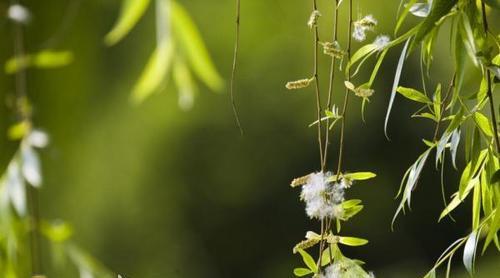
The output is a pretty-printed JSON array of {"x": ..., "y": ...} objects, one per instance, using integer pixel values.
[{"x": 154, "y": 191}]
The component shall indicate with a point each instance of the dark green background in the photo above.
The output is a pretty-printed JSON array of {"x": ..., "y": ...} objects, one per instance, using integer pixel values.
[{"x": 154, "y": 191}]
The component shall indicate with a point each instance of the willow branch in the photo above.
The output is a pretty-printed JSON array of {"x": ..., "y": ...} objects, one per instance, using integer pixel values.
[
  {"x": 233, "y": 70},
  {"x": 346, "y": 96}
]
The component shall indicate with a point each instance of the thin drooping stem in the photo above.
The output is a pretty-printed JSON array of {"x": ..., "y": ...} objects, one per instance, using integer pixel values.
[
  {"x": 346, "y": 97},
  {"x": 318, "y": 113},
  {"x": 443, "y": 105},
  {"x": 233, "y": 70},
  {"x": 488, "y": 83},
  {"x": 330, "y": 88},
  {"x": 316, "y": 82},
  {"x": 23, "y": 116}
]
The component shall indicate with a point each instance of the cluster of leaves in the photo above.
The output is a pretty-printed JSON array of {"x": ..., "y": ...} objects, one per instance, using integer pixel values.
[
  {"x": 331, "y": 251},
  {"x": 455, "y": 112},
  {"x": 180, "y": 51}
]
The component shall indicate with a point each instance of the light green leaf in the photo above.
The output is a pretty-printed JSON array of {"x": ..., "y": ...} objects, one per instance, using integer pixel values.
[
  {"x": 439, "y": 9},
  {"x": 431, "y": 274},
  {"x": 299, "y": 272},
  {"x": 308, "y": 260},
  {"x": 185, "y": 84},
  {"x": 155, "y": 72},
  {"x": 131, "y": 12},
  {"x": 43, "y": 59},
  {"x": 352, "y": 241},
  {"x": 351, "y": 211},
  {"x": 363, "y": 52},
  {"x": 437, "y": 102},
  {"x": 191, "y": 43},
  {"x": 360, "y": 176},
  {"x": 57, "y": 231},
  {"x": 350, "y": 203},
  {"x": 414, "y": 95},
  {"x": 483, "y": 123},
  {"x": 395, "y": 85}
]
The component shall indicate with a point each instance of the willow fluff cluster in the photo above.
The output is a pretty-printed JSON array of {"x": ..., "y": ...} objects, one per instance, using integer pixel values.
[
  {"x": 345, "y": 269},
  {"x": 362, "y": 26},
  {"x": 313, "y": 19},
  {"x": 323, "y": 198}
]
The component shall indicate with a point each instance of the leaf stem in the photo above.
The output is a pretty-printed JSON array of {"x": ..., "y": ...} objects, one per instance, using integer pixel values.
[{"x": 233, "y": 70}]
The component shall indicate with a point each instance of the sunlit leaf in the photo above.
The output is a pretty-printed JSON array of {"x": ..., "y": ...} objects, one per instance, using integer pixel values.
[
  {"x": 155, "y": 72},
  {"x": 439, "y": 9},
  {"x": 44, "y": 60},
  {"x": 352, "y": 241},
  {"x": 360, "y": 176},
  {"x": 308, "y": 260},
  {"x": 414, "y": 95},
  {"x": 470, "y": 252},
  {"x": 483, "y": 123},
  {"x": 395, "y": 85},
  {"x": 56, "y": 231},
  {"x": 299, "y": 272},
  {"x": 185, "y": 84},
  {"x": 455, "y": 140},
  {"x": 191, "y": 43},
  {"x": 131, "y": 12}
]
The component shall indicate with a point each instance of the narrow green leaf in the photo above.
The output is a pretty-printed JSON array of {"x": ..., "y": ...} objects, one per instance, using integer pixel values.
[
  {"x": 352, "y": 241},
  {"x": 131, "y": 12},
  {"x": 360, "y": 176},
  {"x": 364, "y": 51},
  {"x": 299, "y": 272},
  {"x": 483, "y": 123},
  {"x": 414, "y": 95},
  {"x": 395, "y": 85},
  {"x": 437, "y": 102},
  {"x": 194, "y": 48},
  {"x": 44, "y": 60},
  {"x": 439, "y": 9},
  {"x": 470, "y": 252},
  {"x": 350, "y": 203},
  {"x": 186, "y": 86},
  {"x": 308, "y": 260},
  {"x": 155, "y": 72}
]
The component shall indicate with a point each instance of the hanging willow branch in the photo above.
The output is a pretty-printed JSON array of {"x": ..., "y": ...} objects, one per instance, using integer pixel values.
[{"x": 233, "y": 70}]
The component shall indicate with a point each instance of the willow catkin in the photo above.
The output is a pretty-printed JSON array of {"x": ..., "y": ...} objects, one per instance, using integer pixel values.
[
  {"x": 313, "y": 19},
  {"x": 299, "y": 84}
]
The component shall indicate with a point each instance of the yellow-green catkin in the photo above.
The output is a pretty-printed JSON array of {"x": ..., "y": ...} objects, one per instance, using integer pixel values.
[
  {"x": 333, "y": 49},
  {"x": 299, "y": 84}
]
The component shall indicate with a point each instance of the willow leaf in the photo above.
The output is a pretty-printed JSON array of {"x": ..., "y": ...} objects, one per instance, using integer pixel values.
[
  {"x": 155, "y": 72},
  {"x": 131, "y": 12},
  {"x": 352, "y": 241},
  {"x": 470, "y": 252},
  {"x": 44, "y": 60},
  {"x": 194, "y": 48},
  {"x": 439, "y": 9},
  {"x": 414, "y": 95},
  {"x": 395, "y": 85},
  {"x": 483, "y": 123}
]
